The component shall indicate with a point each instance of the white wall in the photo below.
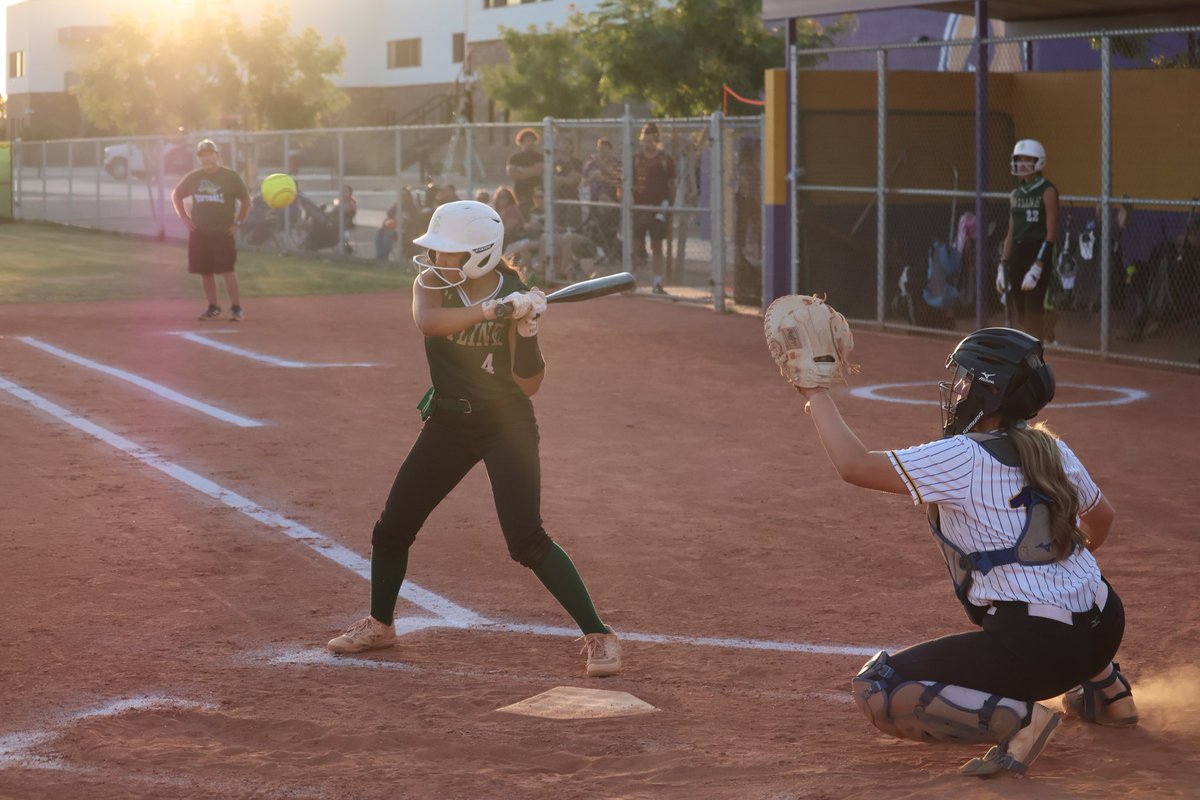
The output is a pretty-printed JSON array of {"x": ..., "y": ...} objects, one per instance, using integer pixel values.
[{"x": 366, "y": 26}]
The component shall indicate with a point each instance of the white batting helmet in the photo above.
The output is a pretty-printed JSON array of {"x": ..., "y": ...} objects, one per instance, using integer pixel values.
[
  {"x": 1031, "y": 148},
  {"x": 464, "y": 226}
]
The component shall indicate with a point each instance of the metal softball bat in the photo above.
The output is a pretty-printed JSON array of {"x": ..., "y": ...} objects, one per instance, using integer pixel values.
[{"x": 596, "y": 287}]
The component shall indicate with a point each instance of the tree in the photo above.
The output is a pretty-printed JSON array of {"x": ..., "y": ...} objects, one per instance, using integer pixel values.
[
  {"x": 285, "y": 79},
  {"x": 675, "y": 57},
  {"x": 551, "y": 75},
  {"x": 117, "y": 91},
  {"x": 141, "y": 82}
]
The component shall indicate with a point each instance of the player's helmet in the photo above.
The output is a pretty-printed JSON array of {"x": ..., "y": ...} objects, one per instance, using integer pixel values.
[
  {"x": 995, "y": 370},
  {"x": 1027, "y": 147},
  {"x": 464, "y": 226}
]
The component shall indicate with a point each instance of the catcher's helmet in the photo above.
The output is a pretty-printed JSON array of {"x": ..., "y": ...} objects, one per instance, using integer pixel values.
[
  {"x": 464, "y": 226},
  {"x": 1031, "y": 148},
  {"x": 995, "y": 370}
]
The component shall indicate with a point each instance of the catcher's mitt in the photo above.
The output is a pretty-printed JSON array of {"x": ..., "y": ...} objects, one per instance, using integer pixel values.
[{"x": 808, "y": 340}]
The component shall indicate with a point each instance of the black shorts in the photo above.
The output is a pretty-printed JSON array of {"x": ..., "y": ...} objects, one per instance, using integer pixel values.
[
  {"x": 211, "y": 253},
  {"x": 647, "y": 222}
]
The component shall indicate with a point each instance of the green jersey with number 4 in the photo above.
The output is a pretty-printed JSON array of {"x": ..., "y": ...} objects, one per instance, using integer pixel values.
[
  {"x": 475, "y": 364},
  {"x": 1029, "y": 210}
]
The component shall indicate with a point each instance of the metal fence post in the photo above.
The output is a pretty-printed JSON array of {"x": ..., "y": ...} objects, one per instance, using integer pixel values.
[
  {"x": 99, "y": 170},
  {"x": 716, "y": 206},
  {"x": 626, "y": 191},
  {"x": 339, "y": 189},
  {"x": 469, "y": 157},
  {"x": 1105, "y": 191},
  {"x": 287, "y": 212},
  {"x": 793, "y": 176},
  {"x": 70, "y": 182},
  {"x": 45, "y": 207},
  {"x": 881, "y": 57},
  {"x": 548, "y": 192}
]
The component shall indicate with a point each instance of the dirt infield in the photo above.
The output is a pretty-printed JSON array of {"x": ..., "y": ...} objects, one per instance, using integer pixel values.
[{"x": 170, "y": 578}]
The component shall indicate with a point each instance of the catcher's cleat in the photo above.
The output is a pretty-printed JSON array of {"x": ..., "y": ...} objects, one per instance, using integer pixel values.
[
  {"x": 1088, "y": 703},
  {"x": 366, "y": 634},
  {"x": 603, "y": 654},
  {"x": 1015, "y": 757}
]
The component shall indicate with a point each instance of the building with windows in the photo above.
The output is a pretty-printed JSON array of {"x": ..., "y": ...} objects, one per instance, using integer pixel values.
[{"x": 406, "y": 60}]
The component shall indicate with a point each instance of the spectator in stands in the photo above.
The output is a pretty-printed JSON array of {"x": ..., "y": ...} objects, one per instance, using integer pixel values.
[
  {"x": 506, "y": 206},
  {"x": 653, "y": 185},
  {"x": 397, "y": 220},
  {"x": 525, "y": 168},
  {"x": 568, "y": 175},
  {"x": 602, "y": 172}
]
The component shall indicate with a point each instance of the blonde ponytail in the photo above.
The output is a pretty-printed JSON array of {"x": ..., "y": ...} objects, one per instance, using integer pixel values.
[{"x": 1041, "y": 461}]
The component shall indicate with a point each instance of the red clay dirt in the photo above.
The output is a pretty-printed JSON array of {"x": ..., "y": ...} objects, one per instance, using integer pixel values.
[{"x": 158, "y": 643}]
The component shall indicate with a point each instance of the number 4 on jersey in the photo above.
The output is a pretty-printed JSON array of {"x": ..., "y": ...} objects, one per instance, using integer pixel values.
[{"x": 487, "y": 365}]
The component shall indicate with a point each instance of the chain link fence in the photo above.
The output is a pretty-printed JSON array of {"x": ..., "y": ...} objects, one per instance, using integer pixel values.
[
  {"x": 885, "y": 160},
  {"x": 367, "y": 192}
]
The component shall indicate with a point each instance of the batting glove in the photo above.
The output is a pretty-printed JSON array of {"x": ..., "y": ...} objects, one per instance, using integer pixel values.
[
  {"x": 527, "y": 326},
  {"x": 1031, "y": 277},
  {"x": 1001, "y": 279},
  {"x": 521, "y": 302}
]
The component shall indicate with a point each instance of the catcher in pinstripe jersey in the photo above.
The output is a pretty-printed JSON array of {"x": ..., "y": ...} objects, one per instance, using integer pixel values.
[{"x": 1017, "y": 518}]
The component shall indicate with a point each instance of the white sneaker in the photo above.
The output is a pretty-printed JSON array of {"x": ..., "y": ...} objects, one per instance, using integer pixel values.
[
  {"x": 1018, "y": 753},
  {"x": 366, "y": 634},
  {"x": 603, "y": 654}
]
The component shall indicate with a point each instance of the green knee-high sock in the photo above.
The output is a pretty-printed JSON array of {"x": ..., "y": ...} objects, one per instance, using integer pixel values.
[
  {"x": 387, "y": 575},
  {"x": 558, "y": 574}
]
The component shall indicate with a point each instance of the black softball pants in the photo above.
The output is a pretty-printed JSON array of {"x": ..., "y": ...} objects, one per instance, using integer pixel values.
[
  {"x": 506, "y": 439},
  {"x": 1019, "y": 656},
  {"x": 1029, "y": 308}
]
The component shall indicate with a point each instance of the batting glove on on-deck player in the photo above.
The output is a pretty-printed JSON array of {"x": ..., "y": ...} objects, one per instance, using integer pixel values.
[
  {"x": 1032, "y": 277},
  {"x": 1001, "y": 278},
  {"x": 808, "y": 340}
]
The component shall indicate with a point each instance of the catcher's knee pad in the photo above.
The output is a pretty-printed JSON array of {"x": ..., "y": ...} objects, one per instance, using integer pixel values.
[
  {"x": 390, "y": 541},
  {"x": 531, "y": 550},
  {"x": 929, "y": 711}
]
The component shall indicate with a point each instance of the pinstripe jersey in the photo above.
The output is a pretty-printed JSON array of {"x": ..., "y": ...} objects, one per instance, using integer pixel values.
[{"x": 973, "y": 490}]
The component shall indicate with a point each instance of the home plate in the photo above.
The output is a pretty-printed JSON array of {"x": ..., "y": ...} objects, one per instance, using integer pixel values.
[{"x": 572, "y": 702}]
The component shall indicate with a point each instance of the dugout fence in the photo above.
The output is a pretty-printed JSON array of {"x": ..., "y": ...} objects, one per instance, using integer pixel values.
[
  {"x": 397, "y": 175},
  {"x": 883, "y": 171}
]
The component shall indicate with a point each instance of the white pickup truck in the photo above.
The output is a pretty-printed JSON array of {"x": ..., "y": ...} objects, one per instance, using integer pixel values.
[{"x": 130, "y": 158}]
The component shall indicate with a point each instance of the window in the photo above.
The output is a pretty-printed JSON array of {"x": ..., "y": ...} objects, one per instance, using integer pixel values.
[
  {"x": 404, "y": 53},
  {"x": 459, "y": 46},
  {"x": 16, "y": 64}
]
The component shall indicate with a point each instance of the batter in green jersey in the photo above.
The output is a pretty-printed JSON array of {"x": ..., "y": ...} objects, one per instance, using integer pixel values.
[
  {"x": 480, "y": 323},
  {"x": 1026, "y": 264}
]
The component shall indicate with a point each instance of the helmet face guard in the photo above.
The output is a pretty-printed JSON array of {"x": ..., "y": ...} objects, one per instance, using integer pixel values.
[
  {"x": 1029, "y": 148},
  {"x": 994, "y": 371}
]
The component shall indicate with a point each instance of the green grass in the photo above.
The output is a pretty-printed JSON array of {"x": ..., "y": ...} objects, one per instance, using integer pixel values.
[{"x": 43, "y": 263}]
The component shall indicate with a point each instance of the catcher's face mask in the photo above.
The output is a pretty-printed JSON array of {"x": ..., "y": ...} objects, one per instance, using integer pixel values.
[{"x": 962, "y": 400}]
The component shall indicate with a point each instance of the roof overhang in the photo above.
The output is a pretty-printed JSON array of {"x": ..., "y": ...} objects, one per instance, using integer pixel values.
[{"x": 1007, "y": 10}]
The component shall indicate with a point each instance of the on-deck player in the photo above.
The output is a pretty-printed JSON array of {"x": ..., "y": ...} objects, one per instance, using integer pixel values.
[
  {"x": 480, "y": 325},
  {"x": 1017, "y": 517},
  {"x": 1029, "y": 245}
]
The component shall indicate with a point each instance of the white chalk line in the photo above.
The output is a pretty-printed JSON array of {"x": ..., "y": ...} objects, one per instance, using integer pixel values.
[
  {"x": 150, "y": 386},
  {"x": 262, "y": 358},
  {"x": 15, "y": 748},
  {"x": 448, "y": 613},
  {"x": 314, "y": 657},
  {"x": 1124, "y": 395}
]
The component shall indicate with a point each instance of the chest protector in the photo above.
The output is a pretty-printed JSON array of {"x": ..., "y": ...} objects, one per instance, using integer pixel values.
[{"x": 1034, "y": 547}]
